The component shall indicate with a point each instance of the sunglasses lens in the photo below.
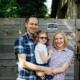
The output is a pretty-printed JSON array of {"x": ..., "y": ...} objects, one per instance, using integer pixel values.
[{"x": 43, "y": 38}]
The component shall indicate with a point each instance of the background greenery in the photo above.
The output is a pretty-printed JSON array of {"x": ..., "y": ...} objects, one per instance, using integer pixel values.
[{"x": 22, "y": 8}]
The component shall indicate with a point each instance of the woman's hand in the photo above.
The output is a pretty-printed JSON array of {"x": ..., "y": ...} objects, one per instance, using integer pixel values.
[{"x": 48, "y": 71}]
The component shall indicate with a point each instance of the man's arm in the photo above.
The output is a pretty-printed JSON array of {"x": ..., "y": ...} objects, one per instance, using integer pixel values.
[
  {"x": 26, "y": 64},
  {"x": 31, "y": 66}
]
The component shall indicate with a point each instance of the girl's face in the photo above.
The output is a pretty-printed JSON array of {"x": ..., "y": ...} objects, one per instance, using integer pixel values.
[
  {"x": 43, "y": 38},
  {"x": 59, "y": 41}
]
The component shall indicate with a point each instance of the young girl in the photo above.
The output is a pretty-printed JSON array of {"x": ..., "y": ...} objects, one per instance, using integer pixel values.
[{"x": 41, "y": 54}]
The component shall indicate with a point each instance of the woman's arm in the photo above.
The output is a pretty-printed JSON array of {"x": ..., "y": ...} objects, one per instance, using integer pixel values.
[
  {"x": 65, "y": 66},
  {"x": 62, "y": 68}
]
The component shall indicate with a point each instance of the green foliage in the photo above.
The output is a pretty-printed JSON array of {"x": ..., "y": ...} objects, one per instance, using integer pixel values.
[
  {"x": 22, "y": 8},
  {"x": 8, "y": 8},
  {"x": 32, "y": 7}
]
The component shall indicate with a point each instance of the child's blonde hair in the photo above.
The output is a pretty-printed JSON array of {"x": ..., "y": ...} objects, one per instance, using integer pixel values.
[{"x": 38, "y": 35}]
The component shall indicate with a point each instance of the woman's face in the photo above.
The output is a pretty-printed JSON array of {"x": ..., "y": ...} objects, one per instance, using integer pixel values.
[
  {"x": 43, "y": 38},
  {"x": 59, "y": 40}
]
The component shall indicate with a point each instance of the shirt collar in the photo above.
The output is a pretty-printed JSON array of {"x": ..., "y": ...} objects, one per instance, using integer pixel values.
[
  {"x": 28, "y": 37},
  {"x": 65, "y": 49}
]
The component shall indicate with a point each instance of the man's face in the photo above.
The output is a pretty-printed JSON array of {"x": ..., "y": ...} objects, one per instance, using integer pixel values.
[{"x": 32, "y": 25}]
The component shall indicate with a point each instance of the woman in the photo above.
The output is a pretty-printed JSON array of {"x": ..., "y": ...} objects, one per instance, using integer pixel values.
[{"x": 62, "y": 56}]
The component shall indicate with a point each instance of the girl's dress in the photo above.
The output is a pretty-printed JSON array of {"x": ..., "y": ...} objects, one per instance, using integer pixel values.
[{"x": 41, "y": 47}]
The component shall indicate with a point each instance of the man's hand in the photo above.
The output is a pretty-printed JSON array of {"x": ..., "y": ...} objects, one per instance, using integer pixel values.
[{"x": 40, "y": 74}]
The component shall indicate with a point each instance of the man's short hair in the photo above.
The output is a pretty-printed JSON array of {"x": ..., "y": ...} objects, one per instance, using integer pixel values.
[{"x": 27, "y": 19}]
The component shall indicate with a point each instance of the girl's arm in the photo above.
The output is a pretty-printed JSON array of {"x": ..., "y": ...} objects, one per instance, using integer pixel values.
[{"x": 43, "y": 58}]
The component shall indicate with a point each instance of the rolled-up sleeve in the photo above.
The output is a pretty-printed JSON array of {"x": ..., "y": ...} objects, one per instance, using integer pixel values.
[
  {"x": 19, "y": 46},
  {"x": 69, "y": 57}
]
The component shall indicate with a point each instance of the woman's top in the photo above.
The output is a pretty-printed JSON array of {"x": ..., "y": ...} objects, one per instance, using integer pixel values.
[
  {"x": 40, "y": 47},
  {"x": 58, "y": 59}
]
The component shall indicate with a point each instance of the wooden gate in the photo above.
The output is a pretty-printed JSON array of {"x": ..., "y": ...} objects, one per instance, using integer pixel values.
[
  {"x": 77, "y": 52},
  {"x": 11, "y": 28}
]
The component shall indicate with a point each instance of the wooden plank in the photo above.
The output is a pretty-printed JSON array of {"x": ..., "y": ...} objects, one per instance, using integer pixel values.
[
  {"x": 61, "y": 27},
  {"x": 7, "y": 41},
  {"x": 59, "y": 21},
  {"x": 70, "y": 36},
  {"x": 7, "y": 77},
  {"x": 11, "y": 34},
  {"x": 10, "y": 21},
  {"x": 7, "y": 62},
  {"x": 9, "y": 70},
  {"x": 10, "y": 41},
  {"x": 78, "y": 23},
  {"x": 6, "y": 48},
  {"x": 5, "y": 56}
]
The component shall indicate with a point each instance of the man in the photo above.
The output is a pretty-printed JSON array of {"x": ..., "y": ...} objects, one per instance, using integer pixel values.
[{"x": 24, "y": 51}]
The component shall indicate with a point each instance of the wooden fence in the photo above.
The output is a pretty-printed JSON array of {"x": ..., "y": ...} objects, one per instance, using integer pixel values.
[{"x": 11, "y": 28}]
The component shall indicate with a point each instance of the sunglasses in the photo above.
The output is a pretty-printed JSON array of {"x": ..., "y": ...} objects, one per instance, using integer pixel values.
[{"x": 46, "y": 38}]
